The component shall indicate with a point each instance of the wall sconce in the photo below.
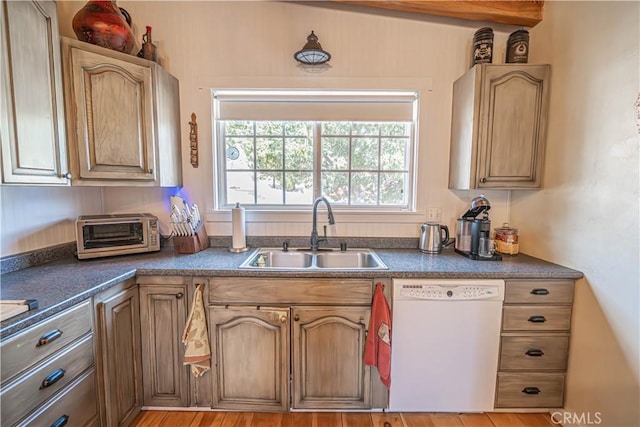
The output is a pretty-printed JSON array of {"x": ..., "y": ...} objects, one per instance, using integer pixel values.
[{"x": 312, "y": 53}]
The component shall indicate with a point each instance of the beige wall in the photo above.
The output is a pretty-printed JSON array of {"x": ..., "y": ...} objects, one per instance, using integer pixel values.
[
  {"x": 586, "y": 217},
  {"x": 37, "y": 217},
  {"x": 251, "y": 44}
]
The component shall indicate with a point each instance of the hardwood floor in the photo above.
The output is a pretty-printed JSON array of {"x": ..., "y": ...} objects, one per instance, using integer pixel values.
[{"x": 338, "y": 419}]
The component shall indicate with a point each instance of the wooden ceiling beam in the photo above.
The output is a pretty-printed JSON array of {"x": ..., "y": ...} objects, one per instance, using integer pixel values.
[{"x": 525, "y": 13}]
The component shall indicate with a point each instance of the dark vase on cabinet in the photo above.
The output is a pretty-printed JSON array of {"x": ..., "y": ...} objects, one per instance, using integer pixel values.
[{"x": 102, "y": 23}]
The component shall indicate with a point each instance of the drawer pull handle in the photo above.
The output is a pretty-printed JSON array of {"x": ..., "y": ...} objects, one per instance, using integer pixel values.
[
  {"x": 540, "y": 291},
  {"x": 52, "y": 378},
  {"x": 531, "y": 390},
  {"x": 537, "y": 319},
  {"x": 62, "y": 421},
  {"x": 534, "y": 352},
  {"x": 49, "y": 337}
]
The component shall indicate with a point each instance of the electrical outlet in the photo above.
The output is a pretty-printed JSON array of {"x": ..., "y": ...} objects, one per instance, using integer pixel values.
[{"x": 434, "y": 214}]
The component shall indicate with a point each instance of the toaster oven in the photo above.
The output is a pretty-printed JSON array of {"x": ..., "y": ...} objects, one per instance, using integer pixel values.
[{"x": 120, "y": 234}]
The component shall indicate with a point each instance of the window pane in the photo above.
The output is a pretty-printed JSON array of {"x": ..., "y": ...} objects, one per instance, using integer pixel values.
[
  {"x": 239, "y": 153},
  {"x": 298, "y": 129},
  {"x": 394, "y": 129},
  {"x": 298, "y": 154},
  {"x": 365, "y": 128},
  {"x": 269, "y": 186},
  {"x": 335, "y": 187},
  {"x": 269, "y": 153},
  {"x": 364, "y": 188},
  {"x": 364, "y": 153},
  {"x": 392, "y": 187},
  {"x": 393, "y": 154},
  {"x": 335, "y": 153},
  {"x": 299, "y": 188},
  {"x": 240, "y": 188},
  {"x": 238, "y": 128},
  {"x": 269, "y": 128},
  {"x": 336, "y": 128}
]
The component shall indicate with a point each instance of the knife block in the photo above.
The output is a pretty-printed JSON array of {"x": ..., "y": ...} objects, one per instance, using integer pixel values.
[{"x": 191, "y": 244}]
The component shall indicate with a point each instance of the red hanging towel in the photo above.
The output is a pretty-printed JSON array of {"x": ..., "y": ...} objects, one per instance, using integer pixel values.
[{"x": 377, "y": 349}]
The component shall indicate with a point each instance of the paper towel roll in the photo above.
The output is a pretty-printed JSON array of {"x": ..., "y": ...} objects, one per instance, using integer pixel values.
[{"x": 239, "y": 233}]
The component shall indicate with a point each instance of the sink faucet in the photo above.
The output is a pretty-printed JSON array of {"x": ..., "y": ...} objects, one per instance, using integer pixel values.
[{"x": 314, "y": 230}]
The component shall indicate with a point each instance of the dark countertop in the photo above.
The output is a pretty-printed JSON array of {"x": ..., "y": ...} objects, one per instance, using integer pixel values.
[{"x": 60, "y": 284}]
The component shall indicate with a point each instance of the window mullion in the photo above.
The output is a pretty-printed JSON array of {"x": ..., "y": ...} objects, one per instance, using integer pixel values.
[{"x": 317, "y": 160}]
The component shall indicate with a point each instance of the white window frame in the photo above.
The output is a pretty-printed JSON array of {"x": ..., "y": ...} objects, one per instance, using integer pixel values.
[{"x": 406, "y": 101}]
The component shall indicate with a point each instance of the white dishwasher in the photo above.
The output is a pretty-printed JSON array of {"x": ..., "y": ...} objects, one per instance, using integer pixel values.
[{"x": 445, "y": 336}]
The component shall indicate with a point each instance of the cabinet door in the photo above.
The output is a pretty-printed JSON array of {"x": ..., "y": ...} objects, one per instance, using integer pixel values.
[
  {"x": 251, "y": 356},
  {"x": 513, "y": 116},
  {"x": 32, "y": 127},
  {"x": 112, "y": 117},
  {"x": 118, "y": 320},
  {"x": 328, "y": 358},
  {"x": 163, "y": 316}
]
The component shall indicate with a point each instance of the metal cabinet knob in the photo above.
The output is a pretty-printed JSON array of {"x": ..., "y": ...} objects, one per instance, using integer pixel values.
[
  {"x": 483, "y": 180},
  {"x": 283, "y": 319},
  {"x": 65, "y": 175},
  {"x": 296, "y": 317},
  {"x": 179, "y": 295}
]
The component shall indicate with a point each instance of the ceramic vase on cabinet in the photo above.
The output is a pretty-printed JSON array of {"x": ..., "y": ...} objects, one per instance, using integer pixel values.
[{"x": 103, "y": 24}]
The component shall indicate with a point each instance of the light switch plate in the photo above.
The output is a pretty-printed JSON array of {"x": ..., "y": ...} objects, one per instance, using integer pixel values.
[{"x": 434, "y": 214}]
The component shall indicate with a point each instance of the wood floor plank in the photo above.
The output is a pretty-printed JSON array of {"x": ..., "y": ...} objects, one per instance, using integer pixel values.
[
  {"x": 297, "y": 419},
  {"x": 237, "y": 419},
  {"x": 417, "y": 419},
  {"x": 476, "y": 420},
  {"x": 148, "y": 418},
  {"x": 327, "y": 419},
  {"x": 177, "y": 418},
  {"x": 506, "y": 419},
  {"x": 393, "y": 419},
  {"x": 446, "y": 420},
  {"x": 208, "y": 419},
  {"x": 541, "y": 419},
  {"x": 266, "y": 419},
  {"x": 356, "y": 419}
]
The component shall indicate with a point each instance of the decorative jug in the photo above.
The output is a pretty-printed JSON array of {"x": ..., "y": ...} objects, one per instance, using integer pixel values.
[{"x": 102, "y": 23}]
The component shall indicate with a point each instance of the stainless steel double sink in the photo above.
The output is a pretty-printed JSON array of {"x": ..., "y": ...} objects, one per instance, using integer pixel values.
[{"x": 301, "y": 259}]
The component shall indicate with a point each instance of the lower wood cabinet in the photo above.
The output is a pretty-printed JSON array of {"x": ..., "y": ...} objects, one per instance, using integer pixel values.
[
  {"x": 250, "y": 347},
  {"x": 328, "y": 363},
  {"x": 534, "y": 345},
  {"x": 119, "y": 354},
  {"x": 48, "y": 372},
  {"x": 163, "y": 316},
  {"x": 280, "y": 344}
]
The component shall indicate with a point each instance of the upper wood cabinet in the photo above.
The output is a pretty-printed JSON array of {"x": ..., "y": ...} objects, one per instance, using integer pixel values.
[
  {"x": 498, "y": 127},
  {"x": 31, "y": 111},
  {"x": 123, "y": 118}
]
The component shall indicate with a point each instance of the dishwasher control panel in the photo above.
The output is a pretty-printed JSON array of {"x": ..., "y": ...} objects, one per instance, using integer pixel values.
[{"x": 449, "y": 291}]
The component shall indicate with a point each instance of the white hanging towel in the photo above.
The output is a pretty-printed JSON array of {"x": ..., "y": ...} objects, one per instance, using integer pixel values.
[{"x": 197, "y": 352}]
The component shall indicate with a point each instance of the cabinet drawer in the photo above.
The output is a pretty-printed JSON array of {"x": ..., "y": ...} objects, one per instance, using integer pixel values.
[
  {"x": 21, "y": 396},
  {"x": 539, "y": 291},
  {"x": 536, "y": 318},
  {"x": 39, "y": 341},
  {"x": 534, "y": 352},
  {"x": 290, "y": 291},
  {"x": 76, "y": 403},
  {"x": 529, "y": 390}
]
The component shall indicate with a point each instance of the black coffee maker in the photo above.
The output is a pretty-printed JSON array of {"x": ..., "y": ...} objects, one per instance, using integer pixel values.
[{"x": 473, "y": 232}]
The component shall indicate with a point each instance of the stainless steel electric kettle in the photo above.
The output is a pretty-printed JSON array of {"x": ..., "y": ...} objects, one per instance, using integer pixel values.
[{"x": 431, "y": 239}]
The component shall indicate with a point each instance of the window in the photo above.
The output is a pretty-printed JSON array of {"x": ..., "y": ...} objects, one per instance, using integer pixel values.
[{"x": 286, "y": 148}]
